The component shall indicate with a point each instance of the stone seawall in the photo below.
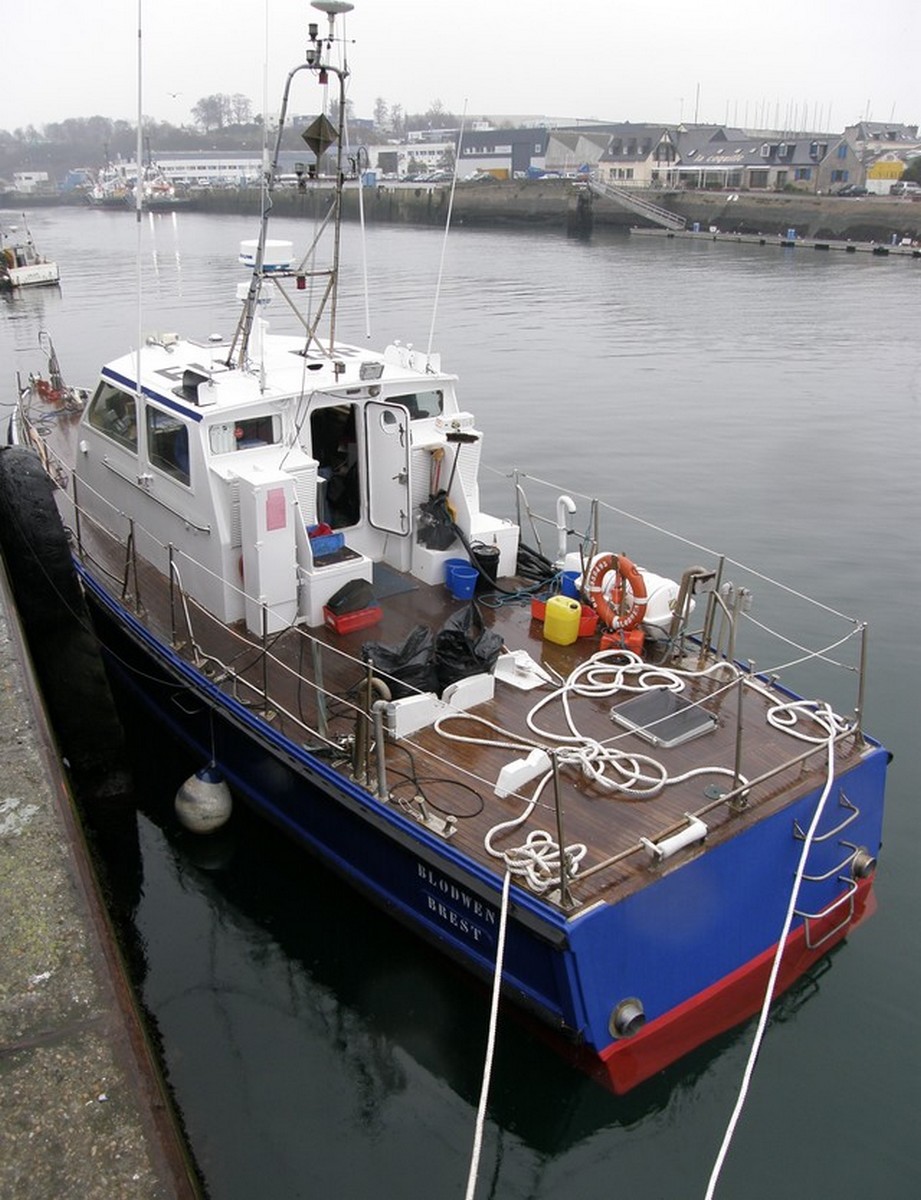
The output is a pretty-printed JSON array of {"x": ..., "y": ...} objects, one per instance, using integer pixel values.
[{"x": 560, "y": 204}]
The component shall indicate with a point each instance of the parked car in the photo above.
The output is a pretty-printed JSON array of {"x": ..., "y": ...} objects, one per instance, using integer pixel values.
[
  {"x": 905, "y": 187},
  {"x": 852, "y": 189}
]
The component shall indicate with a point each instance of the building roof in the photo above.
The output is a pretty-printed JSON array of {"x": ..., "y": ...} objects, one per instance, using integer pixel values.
[
  {"x": 882, "y": 131},
  {"x": 709, "y": 150}
]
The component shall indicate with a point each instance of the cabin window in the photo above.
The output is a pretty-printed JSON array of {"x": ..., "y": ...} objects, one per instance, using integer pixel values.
[
  {"x": 228, "y": 436},
  {"x": 168, "y": 444},
  {"x": 115, "y": 414},
  {"x": 421, "y": 404}
]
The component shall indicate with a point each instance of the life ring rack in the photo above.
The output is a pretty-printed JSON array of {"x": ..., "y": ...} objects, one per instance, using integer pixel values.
[{"x": 608, "y": 608}]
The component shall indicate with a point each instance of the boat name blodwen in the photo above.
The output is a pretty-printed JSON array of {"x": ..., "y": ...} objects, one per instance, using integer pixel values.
[{"x": 451, "y": 916}]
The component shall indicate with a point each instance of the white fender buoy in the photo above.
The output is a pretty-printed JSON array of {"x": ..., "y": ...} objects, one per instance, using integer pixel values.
[{"x": 203, "y": 803}]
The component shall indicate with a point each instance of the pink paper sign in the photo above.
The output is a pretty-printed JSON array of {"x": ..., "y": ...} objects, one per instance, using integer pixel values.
[{"x": 275, "y": 511}]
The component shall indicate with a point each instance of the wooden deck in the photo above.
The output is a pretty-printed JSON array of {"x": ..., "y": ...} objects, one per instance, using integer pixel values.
[{"x": 455, "y": 780}]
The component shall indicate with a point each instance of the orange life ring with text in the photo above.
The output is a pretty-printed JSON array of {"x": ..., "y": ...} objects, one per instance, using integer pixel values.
[
  {"x": 609, "y": 608},
  {"x": 48, "y": 393}
]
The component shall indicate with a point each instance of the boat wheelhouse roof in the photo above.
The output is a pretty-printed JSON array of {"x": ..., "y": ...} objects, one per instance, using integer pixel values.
[{"x": 193, "y": 377}]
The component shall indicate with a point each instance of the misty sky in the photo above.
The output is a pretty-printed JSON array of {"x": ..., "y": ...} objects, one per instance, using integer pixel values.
[{"x": 834, "y": 61}]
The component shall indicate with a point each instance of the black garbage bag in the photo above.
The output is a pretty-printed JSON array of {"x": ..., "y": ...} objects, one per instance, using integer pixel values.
[
  {"x": 435, "y": 527},
  {"x": 464, "y": 646},
  {"x": 408, "y": 667}
]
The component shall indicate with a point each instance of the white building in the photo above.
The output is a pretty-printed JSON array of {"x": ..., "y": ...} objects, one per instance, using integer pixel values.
[{"x": 30, "y": 182}]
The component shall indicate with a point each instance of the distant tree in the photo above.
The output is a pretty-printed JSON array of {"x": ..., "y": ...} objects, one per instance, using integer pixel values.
[
  {"x": 913, "y": 170},
  {"x": 29, "y": 135},
  {"x": 436, "y": 116},
  {"x": 397, "y": 120},
  {"x": 212, "y": 112},
  {"x": 381, "y": 113},
  {"x": 241, "y": 110},
  {"x": 123, "y": 139}
]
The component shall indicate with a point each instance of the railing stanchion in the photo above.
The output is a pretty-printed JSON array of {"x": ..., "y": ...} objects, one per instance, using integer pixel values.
[
  {"x": 378, "y": 708},
  {"x": 861, "y": 683},
  {"x": 77, "y": 526},
  {"x": 265, "y": 658},
  {"x": 565, "y": 897},
  {"x": 316, "y": 655},
  {"x": 172, "y": 595}
]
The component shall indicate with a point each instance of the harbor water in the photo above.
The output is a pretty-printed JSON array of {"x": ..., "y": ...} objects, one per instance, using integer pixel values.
[{"x": 764, "y": 402}]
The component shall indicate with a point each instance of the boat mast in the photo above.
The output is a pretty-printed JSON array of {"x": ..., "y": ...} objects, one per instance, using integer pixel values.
[{"x": 318, "y": 137}]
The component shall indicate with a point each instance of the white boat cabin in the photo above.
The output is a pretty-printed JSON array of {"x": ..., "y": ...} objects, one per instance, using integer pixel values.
[{"x": 277, "y": 485}]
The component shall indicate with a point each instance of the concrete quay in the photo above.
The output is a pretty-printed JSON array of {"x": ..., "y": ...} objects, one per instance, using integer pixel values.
[{"x": 83, "y": 1110}]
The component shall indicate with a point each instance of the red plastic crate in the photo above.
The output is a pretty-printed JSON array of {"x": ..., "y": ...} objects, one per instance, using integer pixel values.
[
  {"x": 348, "y": 622},
  {"x": 631, "y": 640}
]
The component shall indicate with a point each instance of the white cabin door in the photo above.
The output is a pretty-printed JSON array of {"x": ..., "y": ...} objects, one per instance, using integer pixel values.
[{"x": 387, "y": 448}]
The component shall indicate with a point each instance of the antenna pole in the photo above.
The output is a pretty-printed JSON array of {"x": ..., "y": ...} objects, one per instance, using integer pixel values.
[
  {"x": 313, "y": 62},
  {"x": 138, "y": 199}
]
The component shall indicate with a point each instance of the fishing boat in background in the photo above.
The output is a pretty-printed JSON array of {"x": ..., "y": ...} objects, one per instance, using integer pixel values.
[
  {"x": 110, "y": 189},
  {"x": 538, "y": 737},
  {"x": 158, "y": 192},
  {"x": 21, "y": 265}
]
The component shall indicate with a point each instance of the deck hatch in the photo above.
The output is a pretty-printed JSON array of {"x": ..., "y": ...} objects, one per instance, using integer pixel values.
[{"x": 662, "y": 717}]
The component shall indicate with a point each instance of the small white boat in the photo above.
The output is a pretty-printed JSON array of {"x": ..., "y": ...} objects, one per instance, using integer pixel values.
[{"x": 21, "y": 265}]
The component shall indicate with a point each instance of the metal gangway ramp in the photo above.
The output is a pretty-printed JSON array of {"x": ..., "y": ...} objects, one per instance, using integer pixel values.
[{"x": 643, "y": 208}]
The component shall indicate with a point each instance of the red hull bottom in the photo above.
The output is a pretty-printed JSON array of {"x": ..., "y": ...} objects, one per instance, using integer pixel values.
[{"x": 626, "y": 1063}]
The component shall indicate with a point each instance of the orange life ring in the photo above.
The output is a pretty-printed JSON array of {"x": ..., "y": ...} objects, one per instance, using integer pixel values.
[
  {"x": 610, "y": 612},
  {"x": 49, "y": 394}
]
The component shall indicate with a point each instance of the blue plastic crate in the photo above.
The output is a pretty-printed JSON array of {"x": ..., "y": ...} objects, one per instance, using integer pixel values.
[{"x": 327, "y": 543}]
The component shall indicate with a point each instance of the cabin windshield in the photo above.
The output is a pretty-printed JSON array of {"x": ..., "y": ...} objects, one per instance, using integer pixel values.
[
  {"x": 168, "y": 443},
  {"x": 421, "y": 404},
  {"x": 114, "y": 413}
]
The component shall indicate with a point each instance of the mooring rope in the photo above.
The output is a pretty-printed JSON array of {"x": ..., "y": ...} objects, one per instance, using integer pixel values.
[
  {"x": 490, "y": 1043},
  {"x": 824, "y": 717}
]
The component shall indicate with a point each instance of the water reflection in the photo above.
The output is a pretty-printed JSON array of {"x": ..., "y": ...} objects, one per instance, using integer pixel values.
[{"x": 288, "y": 1007}]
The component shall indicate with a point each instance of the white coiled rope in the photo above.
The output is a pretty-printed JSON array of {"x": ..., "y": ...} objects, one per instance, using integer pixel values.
[{"x": 609, "y": 768}]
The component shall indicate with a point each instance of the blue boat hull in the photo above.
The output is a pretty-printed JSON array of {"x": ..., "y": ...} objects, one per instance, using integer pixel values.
[{"x": 694, "y": 945}]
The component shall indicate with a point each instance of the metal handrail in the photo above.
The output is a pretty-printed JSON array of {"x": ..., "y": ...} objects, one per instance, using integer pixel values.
[{"x": 644, "y": 208}]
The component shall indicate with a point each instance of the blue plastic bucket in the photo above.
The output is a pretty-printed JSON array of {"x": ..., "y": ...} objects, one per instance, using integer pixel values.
[
  {"x": 463, "y": 582},
  {"x": 569, "y": 584},
  {"x": 450, "y": 564}
]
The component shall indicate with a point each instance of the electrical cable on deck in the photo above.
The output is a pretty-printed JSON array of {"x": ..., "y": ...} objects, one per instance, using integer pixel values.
[{"x": 490, "y": 1042}]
